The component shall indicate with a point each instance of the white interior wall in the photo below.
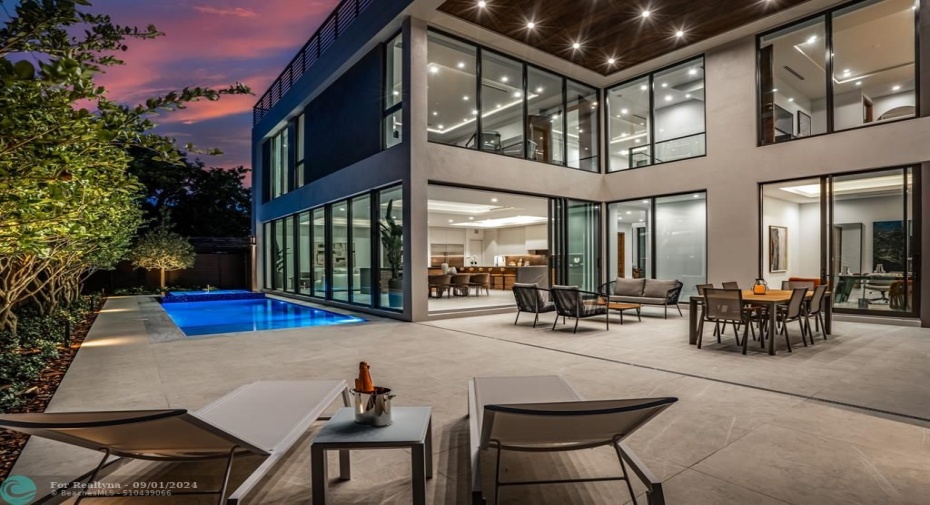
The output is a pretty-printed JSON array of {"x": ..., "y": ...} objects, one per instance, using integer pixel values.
[
  {"x": 809, "y": 241},
  {"x": 777, "y": 212},
  {"x": 679, "y": 120},
  {"x": 883, "y": 104},
  {"x": 495, "y": 242},
  {"x": 868, "y": 211}
]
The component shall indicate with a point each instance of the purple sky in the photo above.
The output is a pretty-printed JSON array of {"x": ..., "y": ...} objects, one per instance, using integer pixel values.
[{"x": 210, "y": 43}]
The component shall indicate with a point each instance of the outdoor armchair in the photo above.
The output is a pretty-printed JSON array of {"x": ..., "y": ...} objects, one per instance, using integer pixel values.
[
  {"x": 573, "y": 302},
  {"x": 533, "y": 299}
]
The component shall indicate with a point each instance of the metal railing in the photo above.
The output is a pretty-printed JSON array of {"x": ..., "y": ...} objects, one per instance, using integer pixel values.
[{"x": 338, "y": 21}]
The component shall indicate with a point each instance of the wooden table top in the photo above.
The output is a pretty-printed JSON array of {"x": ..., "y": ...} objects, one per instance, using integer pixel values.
[{"x": 772, "y": 296}]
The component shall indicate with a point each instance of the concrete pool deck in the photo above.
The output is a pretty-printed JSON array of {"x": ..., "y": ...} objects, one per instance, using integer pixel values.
[{"x": 747, "y": 429}]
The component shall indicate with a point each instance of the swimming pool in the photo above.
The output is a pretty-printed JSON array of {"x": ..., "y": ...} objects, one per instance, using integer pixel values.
[
  {"x": 209, "y": 296},
  {"x": 228, "y": 316},
  {"x": 214, "y": 292}
]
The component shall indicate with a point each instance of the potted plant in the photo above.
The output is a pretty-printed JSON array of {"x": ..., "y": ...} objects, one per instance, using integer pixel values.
[{"x": 392, "y": 240}]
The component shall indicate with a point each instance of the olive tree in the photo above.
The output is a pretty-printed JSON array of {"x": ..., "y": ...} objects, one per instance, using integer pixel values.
[{"x": 164, "y": 250}]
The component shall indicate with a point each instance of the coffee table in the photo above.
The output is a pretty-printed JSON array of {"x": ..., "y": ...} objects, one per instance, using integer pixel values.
[
  {"x": 622, "y": 306},
  {"x": 412, "y": 427}
]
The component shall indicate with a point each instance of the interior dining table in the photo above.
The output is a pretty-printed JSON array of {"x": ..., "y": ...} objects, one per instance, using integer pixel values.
[{"x": 770, "y": 300}]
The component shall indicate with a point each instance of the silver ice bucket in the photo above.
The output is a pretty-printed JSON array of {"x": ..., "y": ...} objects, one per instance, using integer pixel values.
[{"x": 373, "y": 409}]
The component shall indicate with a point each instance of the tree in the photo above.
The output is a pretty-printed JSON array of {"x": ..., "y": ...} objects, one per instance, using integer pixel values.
[
  {"x": 68, "y": 204},
  {"x": 164, "y": 250}
]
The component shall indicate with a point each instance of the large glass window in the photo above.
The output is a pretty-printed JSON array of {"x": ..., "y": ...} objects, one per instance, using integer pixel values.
[
  {"x": 268, "y": 241},
  {"x": 679, "y": 112},
  {"x": 451, "y": 74},
  {"x": 657, "y": 118},
  {"x": 279, "y": 255},
  {"x": 300, "y": 136},
  {"x": 393, "y": 92},
  {"x": 304, "y": 258},
  {"x": 629, "y": 125},
  {"x": 870, "y": 48},
  {"x": 502, "y": 105},
  {"x": 545, "y": 118},
  {"x": 581, "y": 126},
  {"x": 391, "y": 263},
  {"x": 339, "y": 251},
  {"x": 659, "y": 238},
  {"x": 319, "y": 252},
  {"x": 278, "y": 164},
  {"x": 360, "y": 253},
  {"x": 868, "y": 231},
  {"x": 522, "y": 111}
]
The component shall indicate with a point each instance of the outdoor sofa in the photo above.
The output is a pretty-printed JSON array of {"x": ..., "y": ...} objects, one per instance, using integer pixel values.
[{"x": 643, "y": 292}]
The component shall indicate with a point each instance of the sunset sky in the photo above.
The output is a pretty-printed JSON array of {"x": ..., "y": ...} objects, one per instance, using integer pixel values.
[{"x": 210, "y": 43}]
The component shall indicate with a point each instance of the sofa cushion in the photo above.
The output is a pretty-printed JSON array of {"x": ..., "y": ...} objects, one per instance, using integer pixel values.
[
  {"x": 656, "y": 288},
  {"x": 637, "y": 299},
  {"x": 629, "y": 287}
]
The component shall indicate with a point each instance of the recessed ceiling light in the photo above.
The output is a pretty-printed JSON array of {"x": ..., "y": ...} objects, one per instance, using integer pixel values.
[
  {"x": 629, "y": 212},
  {"x": 624, "y": 111},
  {"x": 774, "y": 90},
  {"x": 539, "y": 89},
  {"x": 504, "y": 78},
  {"x": 688, "y": 95},
  {"x": 643, "y": 88},
  {"x": 646, "y": 14},
  {"x": 396, "y": 92},
  {"x": 440, "y": 127},
  {"x": 692, "y": 71},
  {"x": 680, "y": 34},
  {"x": 610, "y": 61},
  {"x": 530, "y": 25},
  {"x": 645, "y": 201},
  {"x": 471, "y": 218},
  {"x": 636, "y": 141},
  {"x": 498, "y": 106},
  {"x": 461, "y": 64},
  {"x": 791, "y": 99},
  {"x": 433, "y": 69},
  {"x": 812, "y": 39},
  {"x": 846, "y": 71},
  {"x": 668, "y": 98},
  {"x": 435, "y": 113},
  {"x": 664, "y": 84},
  {"x": 465, "y": 98},
  {"x": 858, "y": 83},
  {"x": 474, "y": 112},
  {"x": 517, "y": 94},
  {"x": 624, "y": 134},
  {"x": 482, "y": 4},
  {"x": 580, "y": 130},
  {"x": 494, "y": 200},
  {"x": 895, "y": 87},
  {"x": 576, "y": 45},
  {"x": 452, "y": 220}
]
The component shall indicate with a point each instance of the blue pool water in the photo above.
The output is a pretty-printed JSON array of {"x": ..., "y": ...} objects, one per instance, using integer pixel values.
[
  {"x": 227, "y": 316},
  {"x": 214, "y": 292}
]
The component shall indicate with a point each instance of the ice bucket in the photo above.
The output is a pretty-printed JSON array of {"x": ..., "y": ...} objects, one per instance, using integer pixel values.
[{"x": 373, "y": 409}]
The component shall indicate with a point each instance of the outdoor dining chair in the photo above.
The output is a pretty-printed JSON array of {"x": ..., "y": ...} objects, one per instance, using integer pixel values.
[
  {"x": 725, "y": 306},
  {"x": 793, "y": 311},
  {"x": 815, "y": 309},
  {"x": 531, "y": 298}
]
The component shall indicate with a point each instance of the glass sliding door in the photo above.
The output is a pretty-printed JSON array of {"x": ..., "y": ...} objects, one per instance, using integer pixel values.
[
  {"x": 279, "y": 247},
  {"x": 575, "y": 244},
  {"x": 792, "y": 232},
  {"x": 391, "y": 242},
  {"x": 629, "y": 235},
  {"x": 304, "y": 259},
  {"x": 681, "y": 240},
  {"x": 339, "y": 250},
  {"x": 360, "y": 250},
  {"x": 878, "y": 205},
  {"x": 319, "y": 252},
  {"x": 268, "y": 241}
]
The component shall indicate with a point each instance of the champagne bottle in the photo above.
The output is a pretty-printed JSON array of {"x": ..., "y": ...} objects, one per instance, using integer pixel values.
[{"x": 364, "y": 382}]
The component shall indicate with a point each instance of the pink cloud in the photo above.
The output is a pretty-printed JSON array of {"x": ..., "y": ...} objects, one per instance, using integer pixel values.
[{"x": 236, "y": 11}]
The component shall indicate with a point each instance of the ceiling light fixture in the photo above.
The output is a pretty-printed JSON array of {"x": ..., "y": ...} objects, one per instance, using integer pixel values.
[
  {"x": 440, "y": 127},
  {"x": 791, "y": 99},
  {"x": 494, "y": 200},
  {"x": 643, "y": 88},
  {"x": 504, "y": 78},
  {"x": 895, "y": 87},
  {"x": 812, "y": 39},
  {"x": 858, "y": 83},
  {"x": 680, "y": 34},
  {"x": 668, "y": 98},
  {"x": 435, "y": 113},
  {"x": 576, "y": 46},
  {"x": 692, "y": 71},
  {"x": 447, "y": 207},
  {"x": 624, "y": 111},
  {"x": 664, "y": 84},
  {"x": 846, "y": 71},
  {"x": 465, "y": 98},
  {"x": 433, "y": 69},
  {"x": 530, "y": 25},
  {"x": 461, "y": 64},
  {"x": 774, "y": 90},
  {"x": 503, "y": 222},
  {"x": 517, "y": 94},
  {"x": 482, "y": 4},
  {"x": 688, "y": 95},
  {"x": 611, "y": 61},
  {"x": 452, "y": 220},
  {"x": 539, "y": 89},
  {"x": 646, "y": 14}
]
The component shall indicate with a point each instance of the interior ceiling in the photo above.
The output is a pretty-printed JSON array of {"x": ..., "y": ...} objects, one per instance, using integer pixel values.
[
  {"x": 507, "y": 205},
  {"x": 875, "y": 43},
  {"x": 615, "y": 29}
]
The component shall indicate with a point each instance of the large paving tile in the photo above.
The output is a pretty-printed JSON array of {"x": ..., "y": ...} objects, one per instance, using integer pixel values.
[{"x": 802, "y": 468}]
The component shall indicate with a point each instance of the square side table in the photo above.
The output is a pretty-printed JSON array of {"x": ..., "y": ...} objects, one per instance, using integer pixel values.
[{"x": 412, "y": 427}]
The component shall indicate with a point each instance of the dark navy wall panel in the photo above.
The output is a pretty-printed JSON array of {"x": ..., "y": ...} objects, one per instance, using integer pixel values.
[{"x": 343, "y": 124}]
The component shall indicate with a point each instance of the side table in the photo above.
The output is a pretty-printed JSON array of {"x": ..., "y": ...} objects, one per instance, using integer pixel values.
[{"x": 412, "y": 427}]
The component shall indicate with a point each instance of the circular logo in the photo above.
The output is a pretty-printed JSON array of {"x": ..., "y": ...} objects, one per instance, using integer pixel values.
[{"x": 18, "y": 490}]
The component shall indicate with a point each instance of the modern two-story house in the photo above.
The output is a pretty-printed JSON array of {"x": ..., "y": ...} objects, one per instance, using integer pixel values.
[{"x": 578, "y": 142}]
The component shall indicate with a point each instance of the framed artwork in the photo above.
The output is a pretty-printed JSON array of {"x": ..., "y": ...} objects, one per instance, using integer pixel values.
[
  {"x": 778, "y": 249},
  {"x": 339, "y": 254},
  {"x": 804, "y": 124}
]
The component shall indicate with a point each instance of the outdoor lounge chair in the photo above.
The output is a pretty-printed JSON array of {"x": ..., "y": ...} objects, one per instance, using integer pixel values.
[
  {"x": 531, "y": 298},
  {"x": 263, "y": 418},
  {"x": 540, "y": 414}
]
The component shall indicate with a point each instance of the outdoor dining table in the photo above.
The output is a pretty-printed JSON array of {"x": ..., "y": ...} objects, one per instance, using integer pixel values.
[{"x": 770, "y": 300}]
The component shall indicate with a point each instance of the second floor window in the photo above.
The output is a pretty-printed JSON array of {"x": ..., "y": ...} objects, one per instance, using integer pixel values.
[
  {"x": 657, "y": 118},
  {"x": 850, "y": 67},
  {"x": 278, "y": 165},
  {"x": 393, "y": 92}
]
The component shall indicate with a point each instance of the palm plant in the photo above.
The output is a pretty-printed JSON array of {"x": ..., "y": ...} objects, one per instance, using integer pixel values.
[{"x": 392, "y": 239}]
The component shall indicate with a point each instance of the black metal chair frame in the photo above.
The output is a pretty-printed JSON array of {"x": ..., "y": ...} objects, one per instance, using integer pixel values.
[
  {"x": 671, "y": 297},
  {"x": 535, "y": 309},
  {"x": 579, "y": 310},
  {"x": 783, "y": 316}
]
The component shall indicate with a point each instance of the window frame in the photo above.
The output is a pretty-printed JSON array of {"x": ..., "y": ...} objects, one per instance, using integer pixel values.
[
  {"x": 479, "y": 51},
  {"x": 388, "y": 111},
  {"x": 650, "y": 77},
  {"x": 827, "y": 15}
]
